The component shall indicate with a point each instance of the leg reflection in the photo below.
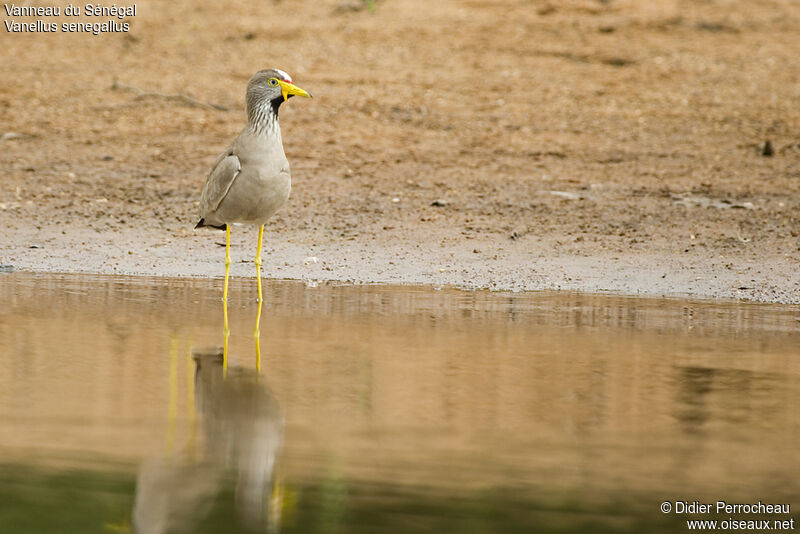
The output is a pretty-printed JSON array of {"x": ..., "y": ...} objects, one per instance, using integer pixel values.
[
  {"x": 226, "y": 332},
  {"x": 257, "y": 336},
  {"x": 172, "y": 409}
]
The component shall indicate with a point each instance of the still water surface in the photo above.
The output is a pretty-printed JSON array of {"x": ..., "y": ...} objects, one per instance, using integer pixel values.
[{"x": 384, "y": 409}]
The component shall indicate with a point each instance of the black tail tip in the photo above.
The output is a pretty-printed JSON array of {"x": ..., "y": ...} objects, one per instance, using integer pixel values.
[{"x": 202, "y": 223}]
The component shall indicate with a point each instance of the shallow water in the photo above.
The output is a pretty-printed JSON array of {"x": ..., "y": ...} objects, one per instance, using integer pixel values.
[{"x": 385, "y": 409}]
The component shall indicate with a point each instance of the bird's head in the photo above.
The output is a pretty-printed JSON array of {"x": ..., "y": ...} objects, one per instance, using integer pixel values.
[{"x": 274, "y": 86}]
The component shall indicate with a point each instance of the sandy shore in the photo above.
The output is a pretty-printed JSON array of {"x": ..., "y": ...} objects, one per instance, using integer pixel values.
[{"x": 474, "y": 264}]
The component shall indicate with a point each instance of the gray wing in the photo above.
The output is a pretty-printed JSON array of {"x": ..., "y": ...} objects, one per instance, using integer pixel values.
[{"x": 219, "y": 182}]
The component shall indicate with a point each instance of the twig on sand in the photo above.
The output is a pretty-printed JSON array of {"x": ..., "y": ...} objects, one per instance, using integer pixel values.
[
  {"x": 186, "y": 99},
  {"x": 8, "y": 136}
]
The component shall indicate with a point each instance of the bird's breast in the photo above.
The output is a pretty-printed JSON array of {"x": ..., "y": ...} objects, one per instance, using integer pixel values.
[
  {"x": 255, "y": 196},
  {"x": 263, "y": 184}
]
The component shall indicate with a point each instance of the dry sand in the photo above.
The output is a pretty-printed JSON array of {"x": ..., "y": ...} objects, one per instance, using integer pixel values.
[{"x": 582, "y": 145}]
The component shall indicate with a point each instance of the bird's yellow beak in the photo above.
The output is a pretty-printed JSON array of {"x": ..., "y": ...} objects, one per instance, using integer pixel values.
[{"x": 288, "y": 89}]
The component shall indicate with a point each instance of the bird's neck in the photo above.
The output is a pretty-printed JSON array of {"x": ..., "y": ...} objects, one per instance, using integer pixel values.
[{"x": 262, "y": 118}]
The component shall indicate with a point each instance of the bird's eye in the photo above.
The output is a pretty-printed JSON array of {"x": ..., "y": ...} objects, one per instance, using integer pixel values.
[{"x": 273, "y": 81}]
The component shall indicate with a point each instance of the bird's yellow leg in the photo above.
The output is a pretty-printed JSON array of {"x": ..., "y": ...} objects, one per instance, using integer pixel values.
[
  {"x": 227, "y": 260},
  {"x": 258, "y": 260},
  {"x": 257, "y": 331},
  {"x": 225, "y": 330}
]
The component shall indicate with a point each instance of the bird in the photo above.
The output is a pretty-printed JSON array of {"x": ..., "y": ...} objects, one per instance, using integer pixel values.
[{"x": 250, "y": 180}]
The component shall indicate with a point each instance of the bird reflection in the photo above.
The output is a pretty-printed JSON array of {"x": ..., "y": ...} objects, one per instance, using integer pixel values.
[
  {"x": 242, "y": 434},
  {"x": 243, "y": 429}
]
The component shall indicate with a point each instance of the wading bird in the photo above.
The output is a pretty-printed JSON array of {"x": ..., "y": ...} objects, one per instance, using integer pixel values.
[{"x": 250, "y": 180}]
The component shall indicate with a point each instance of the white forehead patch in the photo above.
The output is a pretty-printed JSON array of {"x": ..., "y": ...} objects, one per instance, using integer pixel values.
[{"x": 283, "y": 75}]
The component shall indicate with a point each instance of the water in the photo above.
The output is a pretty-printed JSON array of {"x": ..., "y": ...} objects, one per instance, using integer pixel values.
[{"x": 385, "y": 409}]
